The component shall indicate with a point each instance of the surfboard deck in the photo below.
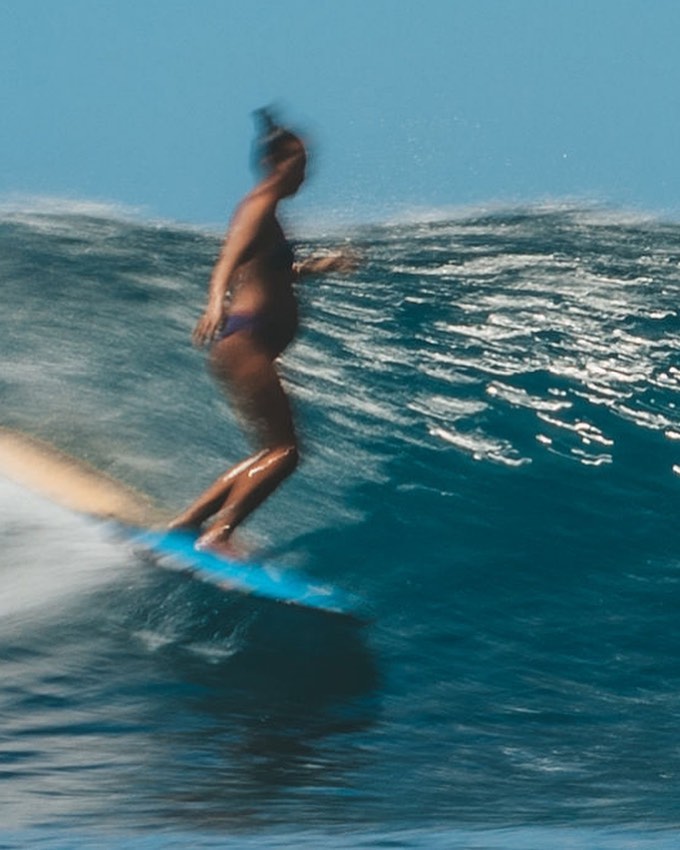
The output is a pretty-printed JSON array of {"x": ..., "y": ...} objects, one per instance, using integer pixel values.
[
  {"x": 177, "y": 549},
  {"x": 132, "y": 516}
]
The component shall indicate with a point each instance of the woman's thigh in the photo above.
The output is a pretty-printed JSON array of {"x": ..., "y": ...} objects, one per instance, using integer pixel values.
[{"x": 246, "y": 371}]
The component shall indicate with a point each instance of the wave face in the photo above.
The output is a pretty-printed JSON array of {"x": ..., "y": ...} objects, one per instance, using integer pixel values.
[{"x": 491, "y": 440}]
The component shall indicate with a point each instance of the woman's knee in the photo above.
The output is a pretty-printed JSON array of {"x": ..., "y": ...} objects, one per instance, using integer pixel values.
[
  {"x": 274, "y": 464},
  {"x": 289, "y": 458}
]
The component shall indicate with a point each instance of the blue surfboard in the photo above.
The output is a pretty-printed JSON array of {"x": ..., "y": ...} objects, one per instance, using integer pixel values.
[
  {"x": 178, "y": 549},
  {"x": 80, "y": 487}
]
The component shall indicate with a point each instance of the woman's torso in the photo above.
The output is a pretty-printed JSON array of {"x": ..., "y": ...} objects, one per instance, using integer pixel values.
[{"x": 261, "y": 287}]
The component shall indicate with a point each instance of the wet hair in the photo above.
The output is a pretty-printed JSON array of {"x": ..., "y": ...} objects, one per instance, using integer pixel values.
[{"x": 272, "y": 143}]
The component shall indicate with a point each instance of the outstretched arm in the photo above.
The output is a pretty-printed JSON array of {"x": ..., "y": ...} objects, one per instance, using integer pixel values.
[
  {"x": 244, "y": 230},
  {"x": 343, "y": 262}
]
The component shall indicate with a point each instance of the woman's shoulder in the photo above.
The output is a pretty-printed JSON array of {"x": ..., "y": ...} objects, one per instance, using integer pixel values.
[
  {"x": 261, "y": 197},
  {"x": 257, "y": 205}
]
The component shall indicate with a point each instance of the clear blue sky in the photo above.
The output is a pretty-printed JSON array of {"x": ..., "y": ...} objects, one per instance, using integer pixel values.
[{"x": 412, "y": 103}]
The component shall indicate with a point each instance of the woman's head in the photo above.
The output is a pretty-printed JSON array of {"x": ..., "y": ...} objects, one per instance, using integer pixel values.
[{"x": 278, "y": 150}]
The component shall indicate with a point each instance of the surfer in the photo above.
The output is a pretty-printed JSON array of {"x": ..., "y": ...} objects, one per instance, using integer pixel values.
[{"x": 251, "y": 316}]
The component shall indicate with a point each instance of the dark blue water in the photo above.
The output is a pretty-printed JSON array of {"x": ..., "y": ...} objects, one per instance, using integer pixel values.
[{"x": 490, "y": 424}]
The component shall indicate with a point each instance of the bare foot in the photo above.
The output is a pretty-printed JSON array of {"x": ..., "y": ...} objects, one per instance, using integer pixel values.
[{"x": 228, "y": 548}]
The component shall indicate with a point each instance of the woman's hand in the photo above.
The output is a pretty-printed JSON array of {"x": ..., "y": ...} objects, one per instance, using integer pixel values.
[
  {"x": 341, "y": 262},
  {"x": 209, "y": 324}
]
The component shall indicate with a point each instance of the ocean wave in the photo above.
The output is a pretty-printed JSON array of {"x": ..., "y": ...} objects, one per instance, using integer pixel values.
[{"x": 489, "y": 421}]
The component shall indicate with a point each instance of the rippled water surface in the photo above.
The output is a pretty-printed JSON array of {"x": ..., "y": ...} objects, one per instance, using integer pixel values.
[{"x": 491, "y": 445}]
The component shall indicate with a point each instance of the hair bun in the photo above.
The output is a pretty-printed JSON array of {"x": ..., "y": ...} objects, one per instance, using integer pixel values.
[
  {"x": 270, "y": 139},
  {"x": 267, "y": 126}
]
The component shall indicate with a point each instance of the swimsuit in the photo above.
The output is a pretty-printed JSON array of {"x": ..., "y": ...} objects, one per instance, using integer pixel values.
[
  {"x": 281, "y": 256},
  {"x": 273, "y": 333},
  {"x": 270, "y": 332},
  {"x": 235, "y": 322}
]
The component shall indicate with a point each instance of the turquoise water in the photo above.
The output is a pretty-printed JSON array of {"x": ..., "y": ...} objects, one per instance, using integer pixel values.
[{"x": 491, "y": 454}]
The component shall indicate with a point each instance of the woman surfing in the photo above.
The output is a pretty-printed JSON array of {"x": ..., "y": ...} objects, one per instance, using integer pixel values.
[{"x": 250, "y": 318}]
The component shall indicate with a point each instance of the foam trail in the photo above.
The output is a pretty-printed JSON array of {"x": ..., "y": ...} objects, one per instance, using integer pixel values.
[{"x": 51, "y": 557}]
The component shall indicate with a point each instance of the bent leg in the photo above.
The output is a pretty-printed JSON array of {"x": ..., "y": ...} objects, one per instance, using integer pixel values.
[
  {"x": 211, "y": 499},
  {"x": 250, "y": 378},
  {"x": 250, "y": 488}
]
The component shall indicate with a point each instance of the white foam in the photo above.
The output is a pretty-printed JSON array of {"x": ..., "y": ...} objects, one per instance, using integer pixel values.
[{"x": 49, "y": 557}]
